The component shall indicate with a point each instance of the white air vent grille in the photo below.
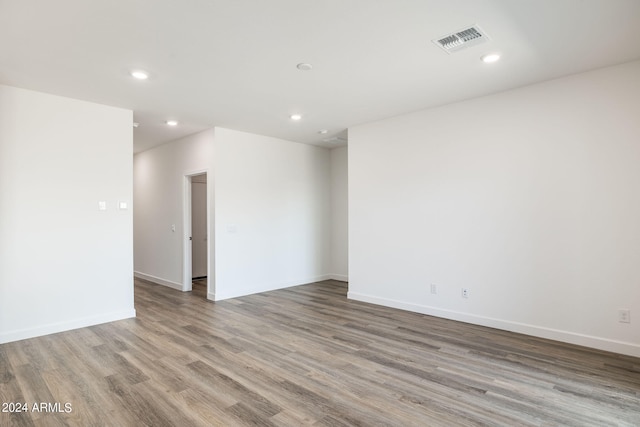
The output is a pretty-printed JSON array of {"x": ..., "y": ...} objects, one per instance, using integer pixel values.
[
  {"x": 462, "y": 39},
  {"x": 335, "y": 140}
]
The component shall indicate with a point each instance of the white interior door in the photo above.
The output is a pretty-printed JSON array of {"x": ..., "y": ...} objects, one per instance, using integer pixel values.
[{"x": 199, "y": 245}]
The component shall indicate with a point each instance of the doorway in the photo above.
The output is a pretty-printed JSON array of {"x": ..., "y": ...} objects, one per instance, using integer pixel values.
[{"x": 197, "y": 276}]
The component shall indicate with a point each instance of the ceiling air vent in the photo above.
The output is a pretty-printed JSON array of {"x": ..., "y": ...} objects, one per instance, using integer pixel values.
[
  {"x": 462, "y": 39},
  {"x": 336, "y": 140}
]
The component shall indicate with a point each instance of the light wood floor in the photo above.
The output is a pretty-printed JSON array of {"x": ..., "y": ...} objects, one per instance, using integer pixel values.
[{"x": 309, "y": 356}]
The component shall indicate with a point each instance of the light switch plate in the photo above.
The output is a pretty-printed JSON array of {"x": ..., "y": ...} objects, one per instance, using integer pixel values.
[{"x": 102, "y": 206}]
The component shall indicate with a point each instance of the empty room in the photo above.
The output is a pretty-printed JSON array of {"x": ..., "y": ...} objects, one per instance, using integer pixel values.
[{"x": 321, "y": 213}]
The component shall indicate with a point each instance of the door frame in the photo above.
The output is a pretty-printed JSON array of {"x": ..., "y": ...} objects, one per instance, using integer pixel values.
[{"x": 187, "y": 250}]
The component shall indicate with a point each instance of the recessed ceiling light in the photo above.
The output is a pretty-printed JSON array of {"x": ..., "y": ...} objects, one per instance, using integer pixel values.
[
  {"x": 490, "y": 57},
  {"x": 140, "y": 74},
  {"x": 304, "y": 66},
  {"x": 172, "y": 122},
  {"x": 323, "y": 131},
  {"x": 295, "y": 116}
]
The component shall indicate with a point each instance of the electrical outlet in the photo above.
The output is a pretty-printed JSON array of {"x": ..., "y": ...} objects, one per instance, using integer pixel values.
[
  {"x": 465, "y": 293},
  {"x": 434, "y": 289},
  {"x": 624, "y": 315}
]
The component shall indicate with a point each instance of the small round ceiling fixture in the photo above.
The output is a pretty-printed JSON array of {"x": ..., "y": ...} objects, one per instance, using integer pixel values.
[
  {"x": 140, "y": 74},
  {"x": 172, "y": 122},
  {"x": 490, "y": 58},
  {"x": 295, "y": 116},
  {"x": 304, "y": 66}
]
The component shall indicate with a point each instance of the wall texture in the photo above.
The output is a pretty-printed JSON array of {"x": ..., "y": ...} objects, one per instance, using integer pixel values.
[
  {"x": 64, "y": 264},
  {"x": 528, "y": 198},
  {"x": 272, "y": 213},
  {"x": 339, "y": 215}
]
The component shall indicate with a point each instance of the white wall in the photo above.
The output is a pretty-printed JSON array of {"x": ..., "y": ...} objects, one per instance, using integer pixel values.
[
  {"x": 272, "y": 210},
  {"x": 63, "y": 263},
  {"x": 529, "y": 198},
  {"x": 159, "y": 190},
  {"x": 339, "y": 215}
]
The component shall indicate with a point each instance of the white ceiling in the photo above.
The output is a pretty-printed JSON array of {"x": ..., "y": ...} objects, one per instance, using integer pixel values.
[{"x": 232, "y": 63}]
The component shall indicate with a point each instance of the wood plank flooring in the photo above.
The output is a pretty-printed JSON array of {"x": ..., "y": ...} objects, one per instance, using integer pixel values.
[{"x": 308, "y": 356}]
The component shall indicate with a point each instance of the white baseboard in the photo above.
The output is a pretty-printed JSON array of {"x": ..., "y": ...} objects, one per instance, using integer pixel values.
[
  {"x": 54, "y": 328},
  {"x": 265, "y": 287},
  {"x": 599, "y": 343},
  {"x": 316, "y": 279},
  {"x": 158, "y": 280},
  {"x": 339, "y": 277}
]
